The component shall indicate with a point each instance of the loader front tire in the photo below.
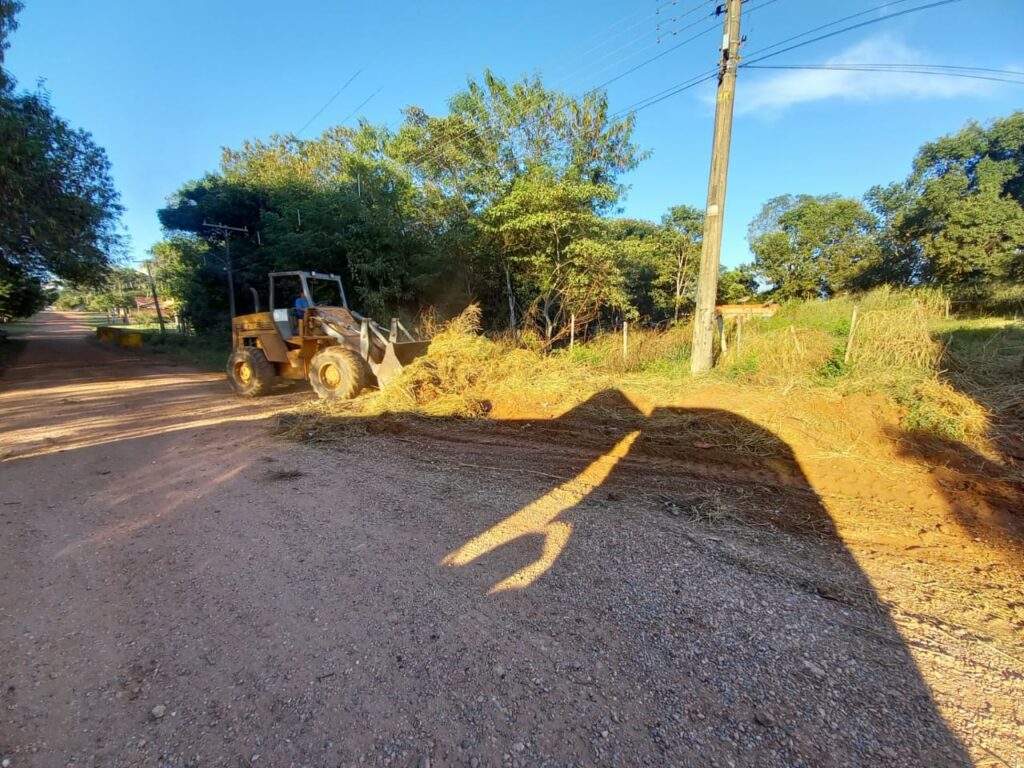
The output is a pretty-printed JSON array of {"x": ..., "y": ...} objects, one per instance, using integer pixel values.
[
  {"x": 250, "y": 373},
  {"x": 338, "y": 373}
]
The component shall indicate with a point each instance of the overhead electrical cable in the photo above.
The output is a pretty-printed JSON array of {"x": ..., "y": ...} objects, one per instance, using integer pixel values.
[
  {"x": 683, "y": 15},
  {"x": 894, "y": 67},
  {"x": 711, "y": 28},
  {"x": 607, "y": 39},
  {"x": 651, "y": 60},
  {"x": 848, "y": 29},
  {"x": 1012, "y": 76},
  {"x": 672, "y": 90},
  {"x": 829, "y": 24},
  {"x": 329, "y": 102},
  {"x": 362, "y": 104},
  {"x": 435, "y": 152},
  {"x": 589, "y": 66}
]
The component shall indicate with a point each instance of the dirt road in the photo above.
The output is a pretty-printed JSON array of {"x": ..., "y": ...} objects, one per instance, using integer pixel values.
[{"x": 179, "y": 587}]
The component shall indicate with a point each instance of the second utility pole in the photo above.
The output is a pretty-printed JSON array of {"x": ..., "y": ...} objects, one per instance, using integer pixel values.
[
  {"x": 226, "y": 231},
  {"x": 711, "y": 246}
]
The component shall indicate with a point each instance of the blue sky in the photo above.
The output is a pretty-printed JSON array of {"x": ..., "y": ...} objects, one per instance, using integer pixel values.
[{"x": 164, "y": 85}]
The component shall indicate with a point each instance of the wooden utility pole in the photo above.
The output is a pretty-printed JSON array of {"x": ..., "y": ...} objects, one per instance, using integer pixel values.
[
  {"x": 226, "y": 231},
  {"x": 156, "y": 300},
  {"x": 711, "y": 247}
]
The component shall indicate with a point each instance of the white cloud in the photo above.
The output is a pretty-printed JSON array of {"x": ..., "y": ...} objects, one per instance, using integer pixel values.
[{"x": 771, "y": 93}]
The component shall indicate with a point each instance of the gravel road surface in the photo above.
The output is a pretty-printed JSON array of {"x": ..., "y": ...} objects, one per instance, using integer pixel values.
[{"x": 181, "y": 587}]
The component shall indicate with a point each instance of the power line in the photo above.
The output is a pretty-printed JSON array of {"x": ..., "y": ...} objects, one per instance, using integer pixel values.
[
  {"x": 698, "y": 80},
  {"x": 845, "y": 29},
  {"x": 666, "y": 52},
  {"x": 629, "y": 44},
  {"x": 759, "y": 7},
  {"x": 924, "y": 69},
  {"x": 329, "y": 102},
  {"x": 435, "y": 151},
  {"x": 830, "y": 24},
  {"x": 362, "y": 104},
  {"x": 1016, "y": 72},
  {"x": 606, "y": 39},
  {"x": 655, "y": 98},
  {"x": 711, "y": 28},
  {"x": 683, "y": 15}
]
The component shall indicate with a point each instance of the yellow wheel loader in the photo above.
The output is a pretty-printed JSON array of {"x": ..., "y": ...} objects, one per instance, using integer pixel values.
[{"x": 310, "y": 333}]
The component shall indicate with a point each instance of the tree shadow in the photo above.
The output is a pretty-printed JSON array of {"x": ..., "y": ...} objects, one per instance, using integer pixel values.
[
  {"x": 985, "y": 497},
  {"x": 987, "y": 365}
]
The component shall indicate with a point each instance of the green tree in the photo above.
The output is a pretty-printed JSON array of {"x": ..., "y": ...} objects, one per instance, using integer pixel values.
[
  {"x": 501, "y": 200},
  {"x": 683, "y": 228},
  {"x": 551, "y": 234},
  {"x": 59, "y": 210},
  {"x": 496, "y": 133},
  {"x": 901, "y": 259},
  {"x": 21, "y": 295},
  {"x": 807, "y": 247},
  {"x": 737, "y": 285},
  {"x": 967, "y": 216},
  {"x": 641, "y": 252}
]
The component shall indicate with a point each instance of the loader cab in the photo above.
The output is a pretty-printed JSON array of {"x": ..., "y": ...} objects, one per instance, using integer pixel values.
[{"x": 317, "y": 288}]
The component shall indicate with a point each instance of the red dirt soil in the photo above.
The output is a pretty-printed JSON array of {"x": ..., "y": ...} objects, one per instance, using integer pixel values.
[{"x": 722, "y": 580}]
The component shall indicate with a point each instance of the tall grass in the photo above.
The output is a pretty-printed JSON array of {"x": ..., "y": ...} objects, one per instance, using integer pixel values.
[{"x": 893, "y": 347}]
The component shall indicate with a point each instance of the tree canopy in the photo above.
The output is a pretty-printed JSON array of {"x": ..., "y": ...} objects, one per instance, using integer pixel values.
[
  {"x": 59, "y": 209},
  {"x": 810, "y": 247},
  {"x": 956, "y": 222},
  {"x": 510, "y": 198},
  {"x": 503, "y": 201}
]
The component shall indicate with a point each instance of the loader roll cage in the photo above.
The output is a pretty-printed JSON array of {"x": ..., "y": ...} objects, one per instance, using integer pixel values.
[{"x": 304, "y": 278}]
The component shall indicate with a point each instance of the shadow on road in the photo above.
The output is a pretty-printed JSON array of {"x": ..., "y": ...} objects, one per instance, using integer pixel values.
[{"x": 862, "y": 697}]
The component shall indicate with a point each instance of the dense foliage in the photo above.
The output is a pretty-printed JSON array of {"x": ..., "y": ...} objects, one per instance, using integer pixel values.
[
  {"x": 957, "y": 222},
  {"x": 58, "y": 206},
  {"x": 509, "y": 200}
]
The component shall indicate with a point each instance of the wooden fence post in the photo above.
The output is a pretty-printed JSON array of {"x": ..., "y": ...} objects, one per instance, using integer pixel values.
[
  {"x": 849, "y": 340},
  {"x": 796, "y": 341},
  {"x": 572, "y": 330},
  {"x": 625, "y": 339}
]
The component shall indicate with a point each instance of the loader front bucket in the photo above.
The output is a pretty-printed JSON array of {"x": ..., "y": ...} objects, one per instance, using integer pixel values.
[{"x": 397, "y": 355}]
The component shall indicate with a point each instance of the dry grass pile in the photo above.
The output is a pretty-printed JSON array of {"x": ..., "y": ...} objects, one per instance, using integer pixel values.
[
  {"x": 464, "y": 373},
  {"x": 896, "y": 337},
  {"x": 932, "y": 405}
]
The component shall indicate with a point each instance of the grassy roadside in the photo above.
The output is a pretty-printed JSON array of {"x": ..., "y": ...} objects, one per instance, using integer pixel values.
[
  {"x": 207, "y": 353},
  {"x": 12, "y": 342},
  {"x": 957, "y": 379},
  {"x": 204, "y": 352}
]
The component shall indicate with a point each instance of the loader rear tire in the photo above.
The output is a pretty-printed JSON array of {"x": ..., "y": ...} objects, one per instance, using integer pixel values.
[
  {"x": 250, "y": 373},
  {"x": 338, "y": 373}
]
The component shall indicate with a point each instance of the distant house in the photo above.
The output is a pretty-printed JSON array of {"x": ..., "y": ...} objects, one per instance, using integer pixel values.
[
  {"x": 746, "y": 310},
  {"x": 147, "y": 304}
]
